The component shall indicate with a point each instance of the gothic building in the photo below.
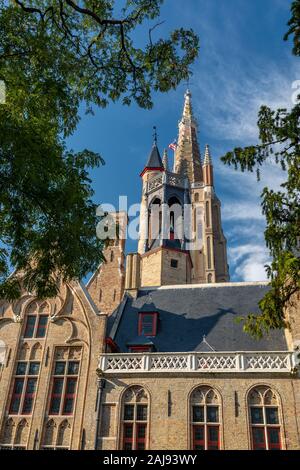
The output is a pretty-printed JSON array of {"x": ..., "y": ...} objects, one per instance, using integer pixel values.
[
  {"x": 151, "y": 356},
  {"x": 181, "y": 238}
]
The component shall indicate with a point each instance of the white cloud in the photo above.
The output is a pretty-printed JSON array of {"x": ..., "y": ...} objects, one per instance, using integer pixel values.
[
  {"x": 230, "y": 102},
  {"x": 248, "y": 262},
  {"x": 247, "y": 231},
  {"x": 245, "y": 210},
  {"x": 252, "y": 270}
]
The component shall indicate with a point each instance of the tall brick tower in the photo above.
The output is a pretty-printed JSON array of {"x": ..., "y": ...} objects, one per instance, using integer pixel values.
[
  {"x": 181, "y": 238},
  {"x": 106, "y": 286}
]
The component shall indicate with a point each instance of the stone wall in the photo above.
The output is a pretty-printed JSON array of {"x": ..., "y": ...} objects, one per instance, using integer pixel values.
[
  {"x": 76, "y": 331},
  {"x": 169, "y": 410}
]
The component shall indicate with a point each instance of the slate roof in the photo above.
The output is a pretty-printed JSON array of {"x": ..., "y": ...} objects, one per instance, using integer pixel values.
[
  {"x": 154, "y": 159},
  {"x": 189, "y": 314}
]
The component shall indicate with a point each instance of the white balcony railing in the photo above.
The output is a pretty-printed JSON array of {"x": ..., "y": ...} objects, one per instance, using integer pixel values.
[{"x": 198, "y": 362}]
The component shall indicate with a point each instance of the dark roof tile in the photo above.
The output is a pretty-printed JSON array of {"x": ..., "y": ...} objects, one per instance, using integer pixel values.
[
  {"x": 154, "y": 159},
  {"x": 187, "y": 314}
]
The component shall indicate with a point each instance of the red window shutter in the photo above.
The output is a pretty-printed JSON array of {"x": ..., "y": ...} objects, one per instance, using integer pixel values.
[
  {"x": 258, "y": 438},
  {"x": 274, "y": 441},
  {"x": 140, "y": 349},
  {"x": 198, "y": 438},
  {"x": 213, "y": 438},
  {"x": 141, "y": 431},
  {"x": 147, "y": 325},
  {"x": 128, "y": 437}
]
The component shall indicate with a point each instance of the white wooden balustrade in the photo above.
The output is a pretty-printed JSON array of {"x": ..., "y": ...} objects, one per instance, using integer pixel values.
[{"x": 275, "y": 362}]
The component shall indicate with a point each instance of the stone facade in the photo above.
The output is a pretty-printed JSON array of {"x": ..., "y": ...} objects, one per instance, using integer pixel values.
[
  {"x": 163, "y": 266},
  {"x": 73, "y": 334},
  {"x": 169, "y": 419}
]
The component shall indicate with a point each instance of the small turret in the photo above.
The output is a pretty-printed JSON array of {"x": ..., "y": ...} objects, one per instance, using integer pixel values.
[
  {"x": 154, "y": 162},
  {"x": 165, "y": 160},
  {"x": 208, "y": 168}
]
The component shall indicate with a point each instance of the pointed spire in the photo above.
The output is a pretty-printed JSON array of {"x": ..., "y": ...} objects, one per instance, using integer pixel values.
[
  {"x": 207, "y": 156},
  {"x": 187, "y": 108},
  {"x": 154, "y": 161},
  {"x": 165, "y": 160},
  {"x": 208, "y": 168},
  {"x": 187, "y": 157}
]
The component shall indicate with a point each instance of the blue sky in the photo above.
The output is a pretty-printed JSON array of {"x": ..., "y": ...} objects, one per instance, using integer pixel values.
[{"x": 243, "y": 63}]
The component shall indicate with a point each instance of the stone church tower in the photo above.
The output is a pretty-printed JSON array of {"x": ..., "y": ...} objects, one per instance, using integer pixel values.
[
  {"x": 152, "y": 358},
  {"x": 181, "y": 237}
]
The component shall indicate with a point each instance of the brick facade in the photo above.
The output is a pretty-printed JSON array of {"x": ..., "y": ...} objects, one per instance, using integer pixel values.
[
  {"x": 169, "y": 410},
  {"x": 74, "y": 332},
  {"x": 106, "y": 286}
]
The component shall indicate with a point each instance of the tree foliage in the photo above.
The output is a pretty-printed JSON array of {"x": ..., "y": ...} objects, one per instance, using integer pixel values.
[
  {"x": 279, "y": 133},
  {"x": 55, "y": 55}
]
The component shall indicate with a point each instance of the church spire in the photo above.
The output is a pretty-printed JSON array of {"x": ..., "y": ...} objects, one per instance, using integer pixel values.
[
  {"x": 154, "y": 162},
  {"x": 187, "y": 157},
  {"x": 187, "y": 108}
]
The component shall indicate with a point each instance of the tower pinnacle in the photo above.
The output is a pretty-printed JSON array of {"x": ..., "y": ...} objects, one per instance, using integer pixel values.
[
  {"x": 187, "y": 157},
  {"x": 165, "y": 160},
  {"x": 187, "y": 108},
  {"x": 208, "y": 175},
  {"x": 207, "y": 156},
  {"x": 154, "y": 162}
]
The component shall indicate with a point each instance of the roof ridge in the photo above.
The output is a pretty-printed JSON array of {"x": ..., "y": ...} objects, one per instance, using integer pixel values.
[{"x": 207, "y": 286}]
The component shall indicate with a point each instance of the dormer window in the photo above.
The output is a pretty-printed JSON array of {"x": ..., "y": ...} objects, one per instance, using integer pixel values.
[
  {"x": 148, "y": 323},
  {"x": 140, "y": 349}
]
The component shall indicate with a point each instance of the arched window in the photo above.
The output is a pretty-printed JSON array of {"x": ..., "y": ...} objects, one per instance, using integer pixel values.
[
  {"x": 155, "y": 220},
  {"x": 205, "y": 416},
  {"x": 196, "y": 199},
  {"x": 207, "y": 214},
  {"x": 176, "y": 219},
  {"x": 24, "y": 352},
  {"x": 264, "y": 417},
  {"x": 21, "y": 434},
  {"x": 49, "y": 434},
  {"x": 25, "y": 382},
  {"x": 7, "y": 432},
  {"x": 36, "y": 352},
  {"x": 208, "y": 249},
  {"x": 36, "y": 320},
  {"x": 13, "y": 435},
  {"x": 112, "y": 256},
  {"x": 63, "y": 435},
  {"x": 209, "y": 278},
  {"x": 135, "y": 418}
]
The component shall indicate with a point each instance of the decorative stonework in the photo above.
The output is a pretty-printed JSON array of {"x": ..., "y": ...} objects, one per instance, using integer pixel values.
[{"x": 241, "y": 362}]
